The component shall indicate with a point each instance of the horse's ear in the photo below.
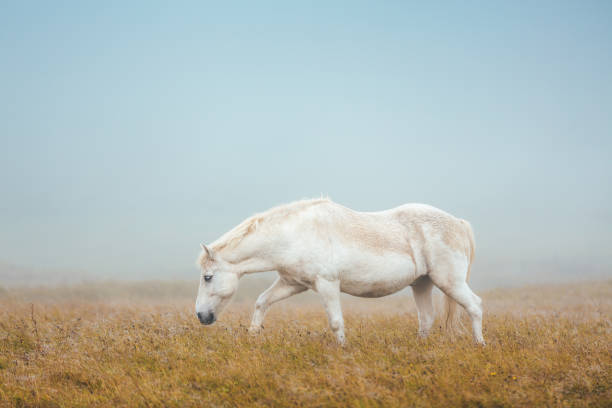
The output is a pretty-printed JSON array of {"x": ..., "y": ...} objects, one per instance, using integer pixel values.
[{"x": 209, "y": 251}]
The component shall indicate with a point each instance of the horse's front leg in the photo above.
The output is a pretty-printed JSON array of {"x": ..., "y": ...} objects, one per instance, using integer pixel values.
[
  {"x": 330, "y": 292},
  {"x": 279, "y": 290}
]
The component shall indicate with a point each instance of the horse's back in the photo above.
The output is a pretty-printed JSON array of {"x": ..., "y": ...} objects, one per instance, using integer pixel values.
[{"x": 398, "y": 229}]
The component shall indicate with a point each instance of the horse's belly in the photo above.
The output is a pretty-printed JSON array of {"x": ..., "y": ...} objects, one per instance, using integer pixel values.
[
  {"x": 372, "y": 290},
  {"x": 377, "y": 278}
]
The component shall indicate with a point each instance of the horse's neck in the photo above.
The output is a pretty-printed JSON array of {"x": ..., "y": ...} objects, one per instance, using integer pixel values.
[
  {"x": 245, "y": 261},
  {"x": 253, "y": 265}
]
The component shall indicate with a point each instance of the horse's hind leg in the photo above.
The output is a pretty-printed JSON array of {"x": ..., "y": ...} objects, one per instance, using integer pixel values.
[
  {"x": 451, "y": 280},
  {"x": 462, "y": 294},
  {"x": 421, "y": 289},
  {"x": 279, "y": 290},
  {"x": 330, "y": 293}
]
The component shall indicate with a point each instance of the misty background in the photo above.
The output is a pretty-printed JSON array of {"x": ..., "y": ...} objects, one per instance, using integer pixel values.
[{"x": 131, "y": 132}]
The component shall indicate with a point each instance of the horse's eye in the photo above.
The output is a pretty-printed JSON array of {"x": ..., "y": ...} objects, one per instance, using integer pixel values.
[{"x": 207, "y": 278}]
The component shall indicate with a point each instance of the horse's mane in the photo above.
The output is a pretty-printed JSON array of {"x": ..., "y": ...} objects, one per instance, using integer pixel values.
[{"x": 250, "y": 225}]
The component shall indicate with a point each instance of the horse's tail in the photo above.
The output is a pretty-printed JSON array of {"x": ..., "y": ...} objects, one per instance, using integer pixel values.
[{"x": 452, "y": 316}]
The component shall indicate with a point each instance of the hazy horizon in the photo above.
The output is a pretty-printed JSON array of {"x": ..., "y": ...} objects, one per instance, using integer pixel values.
[{"x": 133, "y": 132}]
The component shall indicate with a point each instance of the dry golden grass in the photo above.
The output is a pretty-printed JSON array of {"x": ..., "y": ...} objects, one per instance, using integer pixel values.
[{"x": 546, "y": 347}]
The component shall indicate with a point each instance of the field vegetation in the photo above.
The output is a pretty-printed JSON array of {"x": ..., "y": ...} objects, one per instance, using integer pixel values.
[{"x": 140, "y": 345}]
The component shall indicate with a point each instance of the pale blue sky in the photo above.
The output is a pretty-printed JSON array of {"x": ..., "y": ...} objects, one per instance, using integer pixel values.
[{"x": 130, "y": 132}]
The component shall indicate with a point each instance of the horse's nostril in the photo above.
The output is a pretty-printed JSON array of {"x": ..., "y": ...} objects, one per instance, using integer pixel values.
[{"x": 206, "y": 318}]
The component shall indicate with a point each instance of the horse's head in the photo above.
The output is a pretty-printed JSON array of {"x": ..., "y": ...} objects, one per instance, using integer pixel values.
[{"x": 218, "y": 282}]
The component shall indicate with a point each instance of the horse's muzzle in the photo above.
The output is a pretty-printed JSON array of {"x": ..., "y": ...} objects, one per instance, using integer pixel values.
[{"x": 206, "y": 318}]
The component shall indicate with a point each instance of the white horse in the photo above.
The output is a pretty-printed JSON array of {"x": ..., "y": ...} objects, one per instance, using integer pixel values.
[{"x": 323, "y": 246}]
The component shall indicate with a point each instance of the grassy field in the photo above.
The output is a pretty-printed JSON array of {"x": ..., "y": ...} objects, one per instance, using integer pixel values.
[{"x": 141, "y": 345}]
